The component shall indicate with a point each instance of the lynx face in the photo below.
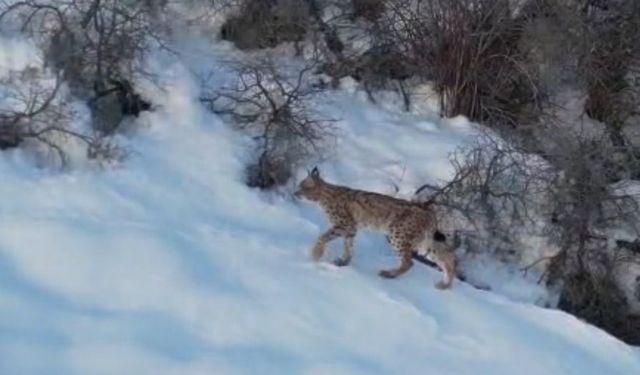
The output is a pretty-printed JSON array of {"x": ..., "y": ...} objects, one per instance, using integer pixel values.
[{"x": 309, "y": 187}]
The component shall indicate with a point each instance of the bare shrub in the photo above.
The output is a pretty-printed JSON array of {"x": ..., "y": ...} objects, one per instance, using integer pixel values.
[
  {"x": 589, "y": 205},
  {"x": 267, "y": 23},
  {"x": 592, "y": 294},
  {"x": 586, "y": 208},
  {"x": 476, "y": 64},
  {"x": 589, "y": 46},
  {"x": 371, "y": 10},
  {"x": 327, "y": 30},
  {"x": 470, "y": 50},
  {"x": 98, "y": 45},
  {"x": 611, "y": 56},
  {"x": 370, "y": 53},
  {"x": 34, "y": 112},
  {"x": 565, "y": 193},
  {"x": 274, "y": 108},
  {"x": 496, "y": 192},
  {"x": 112, "y": 105}
]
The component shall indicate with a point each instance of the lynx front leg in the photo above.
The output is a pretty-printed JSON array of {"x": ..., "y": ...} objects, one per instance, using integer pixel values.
[
  {"x": 347, "y": 254},
  {"x": 405, "y": 264},
  {"x": 321, "y": 242}
]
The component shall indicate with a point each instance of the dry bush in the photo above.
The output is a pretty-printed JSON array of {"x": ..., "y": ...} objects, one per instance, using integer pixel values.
[
  {"x": 593, "y": 294},
  {"x": 98, "y": 46},
  {"x": 588, "y": 205},
  {"x": 469, "y": 49},
  {"x": 267, "y": 23},
  {"x": 34, "y": 113},
  {"x": 369, "y": 53},
  {"x": 371, "y": 10},
  {"x": 590, "y": 46},
  {"x": 501, "y": 193},
  {"x": 610, "y": 58},
  {"x": 326, "y": 31},
  {"x": 584, "y": 200},
  {"x": 496, "y": 193},
  {"x": 274, "y": 107},
  {"x": 472, "y": 54},
  {"x": 111, "y": 106},
  {"x": 552, "y": 41},
  {"x": 383, "y": 67},
  {"x": 579, "y": 195}
]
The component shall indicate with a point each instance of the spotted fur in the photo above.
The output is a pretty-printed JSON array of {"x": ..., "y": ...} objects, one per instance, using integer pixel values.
[{"x": 408, "y": 226}]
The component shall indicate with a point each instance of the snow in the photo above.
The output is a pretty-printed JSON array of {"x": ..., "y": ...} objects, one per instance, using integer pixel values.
[
  {"x": 170, "y": 265},
  {"x": 16, "y": 54}
]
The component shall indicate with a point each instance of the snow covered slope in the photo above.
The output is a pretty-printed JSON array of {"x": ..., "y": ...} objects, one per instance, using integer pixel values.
[{"x": 170, "y": 265}]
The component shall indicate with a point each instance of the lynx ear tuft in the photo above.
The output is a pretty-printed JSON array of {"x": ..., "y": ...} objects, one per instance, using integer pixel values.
[{"x": 315, "y": 172}]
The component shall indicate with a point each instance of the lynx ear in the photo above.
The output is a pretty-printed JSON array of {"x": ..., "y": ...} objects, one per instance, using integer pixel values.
[{"x": 315, "y": 172}]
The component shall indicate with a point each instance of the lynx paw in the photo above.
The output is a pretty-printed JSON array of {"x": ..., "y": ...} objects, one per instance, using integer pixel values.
[
  {"x": 443, "y": 285},
  {"x": 387, "y": 274},
  {"x": 340, "y": 262}
]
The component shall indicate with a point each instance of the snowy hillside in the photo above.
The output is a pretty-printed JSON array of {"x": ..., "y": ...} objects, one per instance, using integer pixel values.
[{"x": 170, "y": 265}]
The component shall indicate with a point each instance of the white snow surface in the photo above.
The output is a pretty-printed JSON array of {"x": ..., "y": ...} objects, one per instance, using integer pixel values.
[{"x": 170, "y": 265}]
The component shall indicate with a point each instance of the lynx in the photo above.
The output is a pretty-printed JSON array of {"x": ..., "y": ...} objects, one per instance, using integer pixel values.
[{"x": 408, "y": 226}]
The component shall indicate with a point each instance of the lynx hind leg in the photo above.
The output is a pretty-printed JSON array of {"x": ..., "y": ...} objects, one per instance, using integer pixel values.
[
  {"x": 446, "y": 261},
  {"x": 405, "y": 264}
]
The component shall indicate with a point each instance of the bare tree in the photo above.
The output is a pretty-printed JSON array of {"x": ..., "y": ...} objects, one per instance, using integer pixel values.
[{"x": 275, "y": 108}]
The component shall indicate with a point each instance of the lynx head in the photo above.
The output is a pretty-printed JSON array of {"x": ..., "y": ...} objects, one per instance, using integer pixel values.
[{"x": 309, "y": 188}]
